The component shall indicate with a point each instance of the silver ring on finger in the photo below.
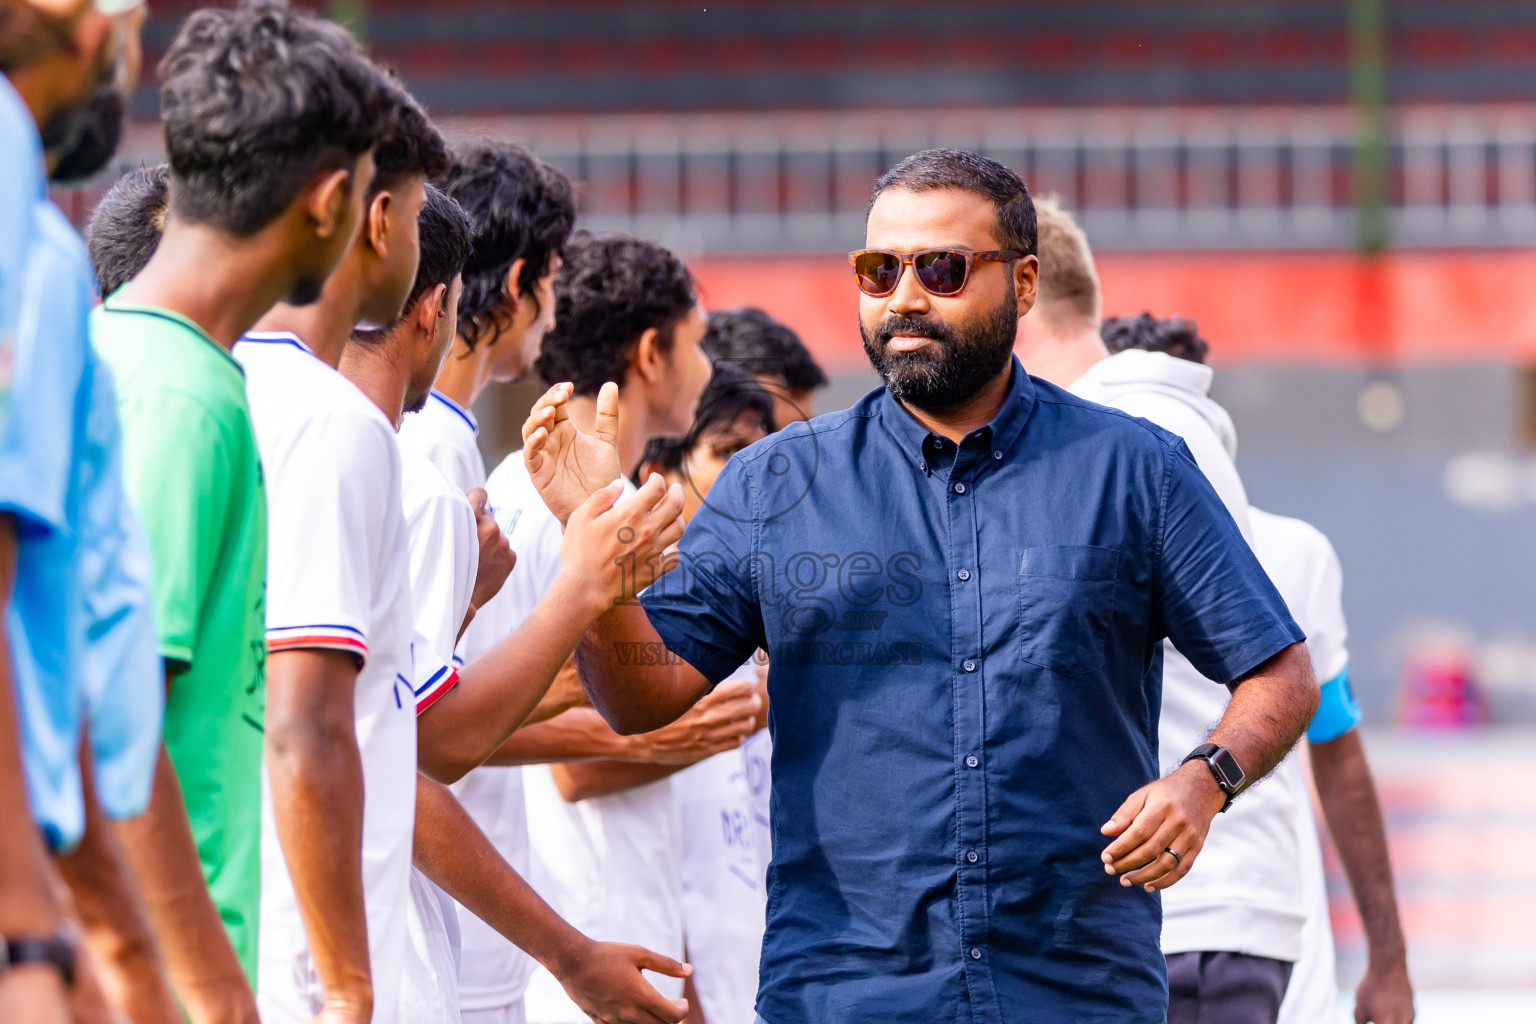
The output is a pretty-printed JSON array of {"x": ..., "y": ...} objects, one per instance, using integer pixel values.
[{"x": 1176, "y": 858}]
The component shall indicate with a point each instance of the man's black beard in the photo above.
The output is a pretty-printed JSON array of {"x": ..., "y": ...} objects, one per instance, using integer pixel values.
[
  {"x": 954, "y": 367},
  {"x": 97, "y": 129}
]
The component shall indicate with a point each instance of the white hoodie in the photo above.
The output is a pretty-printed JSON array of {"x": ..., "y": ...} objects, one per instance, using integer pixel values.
[{"x": 1245, "y": 892}]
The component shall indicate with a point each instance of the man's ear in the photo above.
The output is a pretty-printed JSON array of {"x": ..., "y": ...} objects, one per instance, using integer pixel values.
[
  {"x": 328, "y": 195},
  {"x": 376, "y": 223},
  {"x": 513, "y": 289},
  {"x": 649, "y": 361},
  {"x": 650, "y": 466},
  {"x": 429, "y": 309},
  {"x": 1026, "y": 279}
]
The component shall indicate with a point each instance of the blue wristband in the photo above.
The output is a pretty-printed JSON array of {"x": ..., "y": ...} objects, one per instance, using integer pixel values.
[{"x": 1337, "y": 712}]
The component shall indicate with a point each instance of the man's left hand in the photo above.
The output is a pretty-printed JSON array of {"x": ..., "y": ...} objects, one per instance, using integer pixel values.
[
  {"x": 496, "y": 555},
  {"x": 1172, "y": 814}
]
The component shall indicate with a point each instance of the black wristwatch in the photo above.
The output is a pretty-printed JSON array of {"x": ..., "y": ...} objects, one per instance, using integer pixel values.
[
  {"x": 1229, "y": 774},
  {"x": 57, "y": 951}
]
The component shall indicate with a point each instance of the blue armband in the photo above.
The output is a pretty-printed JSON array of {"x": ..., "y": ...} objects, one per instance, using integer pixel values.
[{"x": 1337, "y": 712}]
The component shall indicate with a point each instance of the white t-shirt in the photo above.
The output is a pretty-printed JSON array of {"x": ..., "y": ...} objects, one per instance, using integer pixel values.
[
  {"x": 757, "y": 751},
  {"x": 1306, "y": 570},
  {"x": 443, "y": 433},
  {"x": 724, "y": 895},
  {"x": 445, "y": 554},
  {"x": 493, "y": 973},
  {"x": 1244, "y": 894},
  {"x": 608, "y": 865},
  {"x": 337, "y": 578}
]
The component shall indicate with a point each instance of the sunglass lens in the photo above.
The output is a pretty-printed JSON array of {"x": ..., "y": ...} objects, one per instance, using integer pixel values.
[
  {"x": 878, "y": 272},
  {"x": 941, "y": 272}
]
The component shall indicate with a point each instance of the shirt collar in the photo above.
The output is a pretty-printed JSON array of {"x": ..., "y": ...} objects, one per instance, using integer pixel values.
[
  {"x": 278, "y": 338},
  {"x": 1000, "y": 433},
  {"x": 459, "y": 411}
]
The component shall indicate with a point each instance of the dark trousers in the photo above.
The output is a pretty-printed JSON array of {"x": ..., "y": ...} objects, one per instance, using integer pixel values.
[{"x": 1225, "y": 988}]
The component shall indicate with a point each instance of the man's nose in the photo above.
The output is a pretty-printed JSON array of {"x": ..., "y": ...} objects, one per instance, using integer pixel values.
[{"x": 909, "y": 297}]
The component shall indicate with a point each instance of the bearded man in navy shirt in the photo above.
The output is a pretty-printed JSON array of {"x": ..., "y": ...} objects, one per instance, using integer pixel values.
[{"x": 963, "y": 584}]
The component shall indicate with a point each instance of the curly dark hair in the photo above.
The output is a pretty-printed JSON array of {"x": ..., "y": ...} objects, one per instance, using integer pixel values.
[
  {"x": 612, "y": 290},
  {"x": 522, "y": 208},
  {"x": 124, "y": 229},
  {"x": 409, "y": 145},
  {"x": 934, "y": 169},
  {"x": 256, "y": 101},
  {"x": 756, "y": 342},
  {"x": 731, "y": 392},
  {"x": 1176, "y": 336},
  {"x": 445, "y": 232}
]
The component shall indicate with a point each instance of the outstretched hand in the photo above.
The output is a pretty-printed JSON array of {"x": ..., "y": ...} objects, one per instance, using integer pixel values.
[
  {"x": 605, "y": 981},
  {"x": 1161, "y": 828},
  {"x": 566, "y": 465}
]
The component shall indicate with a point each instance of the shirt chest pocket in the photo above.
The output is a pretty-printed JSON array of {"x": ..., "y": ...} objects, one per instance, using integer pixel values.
[{"x": 1066, "y": 606}]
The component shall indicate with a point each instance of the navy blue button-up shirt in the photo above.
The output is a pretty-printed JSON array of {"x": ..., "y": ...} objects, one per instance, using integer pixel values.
[{"x": 964, "y": 681}]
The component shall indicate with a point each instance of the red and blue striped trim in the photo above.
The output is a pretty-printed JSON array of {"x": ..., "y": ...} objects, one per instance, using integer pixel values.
[
  {"x": 325, "y": 635},
  {"x": 439, "y": 683}
]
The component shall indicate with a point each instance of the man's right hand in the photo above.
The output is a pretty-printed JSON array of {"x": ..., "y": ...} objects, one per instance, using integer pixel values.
[
  {"x": 496, "y": 555},
  {"x": 605, "y": 981},
  {"x": 717, "y": 723},
  {"x": 611, "y": 550},
  {"x": 33, "y": 994},
  {"x": 566, "y": 465}
]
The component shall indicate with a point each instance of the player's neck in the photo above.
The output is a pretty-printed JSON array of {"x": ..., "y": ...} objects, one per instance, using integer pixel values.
[
  {"x": 1060, "y": 354},
  {"x": 465, "y": 373},
  {"x": 222, "y": 284},
  {"x": 634, "y": 425},
  {"x": 378, "y": 373},
  {"x": 327, "y": 324}
]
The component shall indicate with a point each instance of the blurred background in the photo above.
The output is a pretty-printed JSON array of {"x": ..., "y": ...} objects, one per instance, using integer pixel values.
[{"x": 1341, "y": 192}]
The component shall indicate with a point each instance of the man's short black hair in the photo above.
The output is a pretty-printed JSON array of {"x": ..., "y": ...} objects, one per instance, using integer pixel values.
[
  {"x": 522, "y": 208},
  {"x": 409, "y": 145},
  {"x": 934, "y": 169},
  {"x": 759, "y": 344},
  {"x": 256, "y": 101},
  {"x": 1176, "y": 336},
  {"x": 445, "y": 241},
  {"x": 124, "y": 229},
  {"x": 613, "y": 289},
  {"x": 731, "y": 391}
]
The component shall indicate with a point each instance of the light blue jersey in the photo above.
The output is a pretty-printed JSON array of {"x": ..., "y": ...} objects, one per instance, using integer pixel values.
[
  {"x": 21, "y": 185},
  {"x": 82, "y": 569}
]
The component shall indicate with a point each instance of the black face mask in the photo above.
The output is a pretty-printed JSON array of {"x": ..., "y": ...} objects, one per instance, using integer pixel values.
[
  {"x": 962, "y": 359},
  {"x": 90, "y": 136}
]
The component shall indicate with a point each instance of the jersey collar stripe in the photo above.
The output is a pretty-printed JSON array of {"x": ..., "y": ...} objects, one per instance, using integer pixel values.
[
  {"x": 443, "y": 680},
  {"x": 459, "y": 411},
  {"x": 278, "y": 338}
]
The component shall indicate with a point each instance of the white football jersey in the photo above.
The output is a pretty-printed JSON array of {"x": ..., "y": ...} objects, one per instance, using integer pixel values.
[
  {"x": 608, "y": 865},
  {"x": 444, "y": 433},
  {"x": 337, "y": 578},
  {"x": 724, "y": 896},
  {"x": 1305, "y": 569},
  {"x": 493, "y": 972}
]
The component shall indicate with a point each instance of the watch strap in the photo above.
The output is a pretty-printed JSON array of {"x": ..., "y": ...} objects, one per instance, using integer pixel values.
[{"x": 1213, "y": 755}]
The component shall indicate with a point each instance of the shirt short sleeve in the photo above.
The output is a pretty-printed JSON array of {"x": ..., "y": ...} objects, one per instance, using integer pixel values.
[
  {"x": 1217, "y": 604},
  {"x": 707, "y": 610},
  {"x": 180, "y": 490},
  {"x": 326, "y": 487}
]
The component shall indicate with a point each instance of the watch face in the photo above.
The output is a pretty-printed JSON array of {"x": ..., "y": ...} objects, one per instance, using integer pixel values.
[{"x": 1231, "y": 771}]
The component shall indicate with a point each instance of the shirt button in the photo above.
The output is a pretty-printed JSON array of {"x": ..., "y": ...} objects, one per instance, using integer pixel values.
[
  {"x": 923, "y": 466},
  {"x": 975, "y": 953},
  {"x": 959, "y": 488},
  {"x": 964, "y": 575},
  {"x": 970, "y": 666},
  {"x": 997, "y": 454},
  {"x": 972, "y": 761},
  {"x": 971, "y": 856}
]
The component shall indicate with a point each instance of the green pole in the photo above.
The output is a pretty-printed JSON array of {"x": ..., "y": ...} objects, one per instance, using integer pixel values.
[
  {"x": 351, "y": 15},
  {"x": 1368, "y": 92}
]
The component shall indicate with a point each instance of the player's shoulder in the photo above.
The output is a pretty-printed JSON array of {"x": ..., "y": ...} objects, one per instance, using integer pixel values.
[
  {"x": 425, "y": 489},
  {"x": 1289, "y": 537}
]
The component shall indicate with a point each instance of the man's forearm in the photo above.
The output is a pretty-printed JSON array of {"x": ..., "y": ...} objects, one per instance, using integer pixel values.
[
  {"x": 584, "y": 780},
  {"x": 317, "y": 804},
  {"x": 497, "y": 691},
  {"x": 579, "y": 734},
  {"x": 1353, "y": 813},
  {"x": 451, "y": 850},
  {"x": 631, "y": 693},
  {"x": 1268, "y": 712},
  {"x": 114, "y": 920}
]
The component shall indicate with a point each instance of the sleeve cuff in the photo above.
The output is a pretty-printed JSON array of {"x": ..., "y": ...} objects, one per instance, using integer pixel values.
[
  {"x": 326, "y": 636},
  {"x": 437, "y": 684}
]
